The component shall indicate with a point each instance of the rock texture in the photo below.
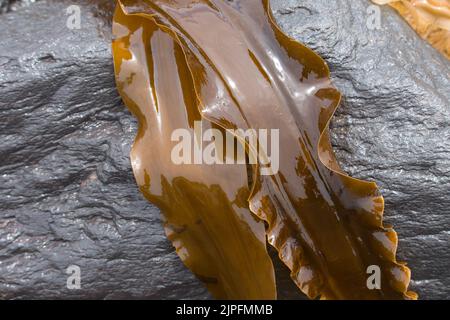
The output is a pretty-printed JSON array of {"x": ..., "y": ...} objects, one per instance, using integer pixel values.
[
  {"x": 394, "y": 124},
  {"x": 13, "y": 5},
  {"x": 67, "y": 194}
]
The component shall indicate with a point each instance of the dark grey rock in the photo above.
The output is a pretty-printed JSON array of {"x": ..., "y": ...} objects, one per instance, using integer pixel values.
[
  {"x": 13, "y": 5},
  {"x": 394, "y": 124},
  {"x": 67, "y": 194}
]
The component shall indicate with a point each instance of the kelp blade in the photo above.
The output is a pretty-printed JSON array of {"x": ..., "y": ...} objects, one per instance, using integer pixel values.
[
  {"x": 326, "y": 226},
  {"x": 204, "y": 207}
]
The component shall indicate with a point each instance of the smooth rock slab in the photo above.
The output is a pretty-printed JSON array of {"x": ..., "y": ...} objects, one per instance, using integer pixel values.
[{"x": 67, "y": 194}]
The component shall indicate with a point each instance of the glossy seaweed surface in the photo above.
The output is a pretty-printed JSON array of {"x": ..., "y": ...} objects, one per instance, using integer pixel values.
[{"x": 226, "y": 64}]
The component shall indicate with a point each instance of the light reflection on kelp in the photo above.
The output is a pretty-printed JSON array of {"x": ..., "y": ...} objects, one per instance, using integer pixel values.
[{"x": 228, "y": 64}]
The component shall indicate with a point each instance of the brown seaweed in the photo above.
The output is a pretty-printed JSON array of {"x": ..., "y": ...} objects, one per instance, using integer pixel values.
[
  {"x": 430, "y": 18},
  {"x": 245, "y": 73},
  {"x": 205, "y": 210}
]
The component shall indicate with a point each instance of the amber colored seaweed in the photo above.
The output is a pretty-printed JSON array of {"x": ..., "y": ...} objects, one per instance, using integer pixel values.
[
  {"x": 206, "y": 215},
  {"x": 246, "y": 73},
  {"x": 430, "y": 18}
]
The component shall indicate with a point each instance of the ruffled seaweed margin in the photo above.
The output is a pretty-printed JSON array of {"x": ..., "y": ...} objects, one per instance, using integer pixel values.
[{"x": 362, "y": 187}]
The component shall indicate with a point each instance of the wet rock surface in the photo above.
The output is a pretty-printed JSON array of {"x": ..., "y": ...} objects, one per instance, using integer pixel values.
[
  {"x": 67, "y": 194},
  {"x": 13, "y": 5},
  {"x": 394, "y": 123}
]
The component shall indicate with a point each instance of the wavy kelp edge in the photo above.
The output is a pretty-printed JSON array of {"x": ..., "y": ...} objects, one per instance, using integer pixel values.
[
  {"x": 324, "y": 144},
  {"x": 332, "y": 165}
]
